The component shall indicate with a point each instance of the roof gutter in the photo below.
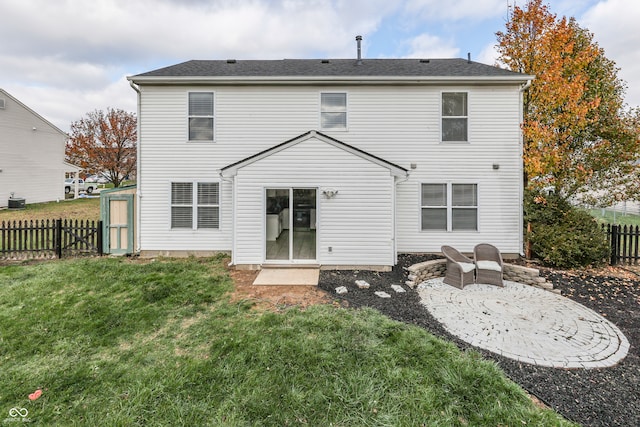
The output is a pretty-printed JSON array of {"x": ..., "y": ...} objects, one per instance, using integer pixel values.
[
  {"x": 326, "y": 80},
  {"x": 527, "y": 85}
]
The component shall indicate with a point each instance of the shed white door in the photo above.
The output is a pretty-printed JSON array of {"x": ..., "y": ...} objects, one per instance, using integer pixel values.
[{"x": 290, "y": 225}]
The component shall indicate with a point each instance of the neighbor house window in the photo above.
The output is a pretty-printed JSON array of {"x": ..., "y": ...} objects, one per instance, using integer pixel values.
[
  {"x": 205, "y": 213},
  {"x": 449, "y": 207},
  {"x": 454, "y": 116},
  {"x": 333, "y": 110},
  {"x": 201, "y": 116}
]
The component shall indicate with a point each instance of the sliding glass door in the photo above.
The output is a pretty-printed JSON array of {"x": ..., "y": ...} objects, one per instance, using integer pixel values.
[{"x": 290, "y": 220}]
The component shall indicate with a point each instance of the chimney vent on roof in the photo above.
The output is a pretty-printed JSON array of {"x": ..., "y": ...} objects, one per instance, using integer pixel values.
[
  {"x": 231, "y": 61},
  {"x": 359, "y": 42},
  {"x": 469, "y": 57}
]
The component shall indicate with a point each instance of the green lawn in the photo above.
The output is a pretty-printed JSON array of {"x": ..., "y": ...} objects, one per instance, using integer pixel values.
[
  {"x": 618, "y": 218},
  {"x": 119, "y": 342},
  {"x": 82, "y": 208}
]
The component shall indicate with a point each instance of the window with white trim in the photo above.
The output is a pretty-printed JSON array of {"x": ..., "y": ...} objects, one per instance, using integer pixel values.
[
  {"x": 201, "y": 118},
  {"x": 454, "y": 117},
  {"x": 449, "y": 207},
  {"x": 208, "y": 205},
  {"x": 204, "y": 213},
  {"x": 333, "y": 110},
  {"x": 181, "y": 205}
]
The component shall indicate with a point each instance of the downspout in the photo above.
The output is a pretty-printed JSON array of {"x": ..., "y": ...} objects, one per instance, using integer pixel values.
[
  {"x": 233, "y": 216},
  {"x": 397, "y": 181},
  {"x": 521, "y": 168},
  {"x": 138, "y": 182}
]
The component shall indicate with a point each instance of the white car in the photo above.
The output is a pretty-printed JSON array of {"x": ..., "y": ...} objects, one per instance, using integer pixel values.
[
  {"x": 87, "y": 187},
  {"x": 100, "y": 179}
]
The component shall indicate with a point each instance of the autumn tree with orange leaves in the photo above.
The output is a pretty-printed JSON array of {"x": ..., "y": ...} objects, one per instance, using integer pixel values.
[
  {"x": 577, "y": 136},
  {"x": 104, "y": 143}
]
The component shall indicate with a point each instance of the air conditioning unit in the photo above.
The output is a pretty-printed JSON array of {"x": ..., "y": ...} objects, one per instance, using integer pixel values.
[{"x": 16, "y": 203}]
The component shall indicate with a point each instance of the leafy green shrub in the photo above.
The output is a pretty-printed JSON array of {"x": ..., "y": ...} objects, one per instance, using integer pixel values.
[{"x": 561, "y": 235}]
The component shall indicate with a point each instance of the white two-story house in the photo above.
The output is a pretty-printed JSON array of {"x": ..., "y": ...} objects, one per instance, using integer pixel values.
[
  {"x": 32, "y": 166},
  {"x": 336, "y": 163}
]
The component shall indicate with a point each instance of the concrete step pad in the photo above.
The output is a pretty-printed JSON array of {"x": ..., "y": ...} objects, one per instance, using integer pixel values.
[{"x": 288, "y": 277}]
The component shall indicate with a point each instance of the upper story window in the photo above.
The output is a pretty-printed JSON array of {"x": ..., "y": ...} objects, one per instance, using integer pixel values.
[
  {"x": 454, "y": 116},
  {"x": 449, "y": 207},
  {"x": 201, "y": 116},
  {"x": 333, "y": 110}
]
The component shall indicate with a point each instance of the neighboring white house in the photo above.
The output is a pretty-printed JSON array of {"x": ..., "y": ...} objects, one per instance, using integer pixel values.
[
  {"x": 340, "y": 162},
  {"x": 32, "y": 163}
]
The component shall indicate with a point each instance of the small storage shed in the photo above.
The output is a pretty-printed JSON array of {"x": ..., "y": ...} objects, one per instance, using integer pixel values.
[{"x": 118, "y": 213}]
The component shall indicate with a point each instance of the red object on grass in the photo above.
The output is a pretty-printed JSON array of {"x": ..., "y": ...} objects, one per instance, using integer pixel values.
[{"x": 35, "y": 395}]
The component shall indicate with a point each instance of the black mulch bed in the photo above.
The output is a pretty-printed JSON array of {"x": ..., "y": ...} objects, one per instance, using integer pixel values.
[{"x": 591, "y": 397}]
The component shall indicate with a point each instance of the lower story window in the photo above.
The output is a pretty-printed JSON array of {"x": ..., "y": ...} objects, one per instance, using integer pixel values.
[
  {"x": 208, "y": 212},
  {"x": 449, "y": 206},
  {"x": 204, "y": 213}
]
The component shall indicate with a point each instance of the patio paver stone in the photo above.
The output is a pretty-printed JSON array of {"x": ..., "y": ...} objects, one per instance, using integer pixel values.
[{"x": 526, "y": 323}]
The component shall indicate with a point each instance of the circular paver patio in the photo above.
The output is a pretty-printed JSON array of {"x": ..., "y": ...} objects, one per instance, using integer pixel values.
[{"x": 525, "y": 323}]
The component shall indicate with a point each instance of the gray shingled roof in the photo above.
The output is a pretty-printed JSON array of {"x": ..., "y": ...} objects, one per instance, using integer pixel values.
[{"x": 348, "y": 68}]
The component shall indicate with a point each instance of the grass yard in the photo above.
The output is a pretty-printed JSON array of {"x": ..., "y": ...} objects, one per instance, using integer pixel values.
[
  {"x": 619, "y": 217},
  {"x": 121, "y": 342},
  {"x": 82, "y": 208}
]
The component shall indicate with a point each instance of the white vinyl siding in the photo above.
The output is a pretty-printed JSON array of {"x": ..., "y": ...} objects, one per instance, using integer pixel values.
[
  {"x": 333, "y": 111},
  {"x": 454, "y": 117},
  {"x": 31, "y": 155},
  {"x": 201, "y": 116},
  {"x": 204, "y": 214},
  {"x": 401, "y": 124},
  {"x": 359, "y": 216},
  {"x": 449, "y": 207}
]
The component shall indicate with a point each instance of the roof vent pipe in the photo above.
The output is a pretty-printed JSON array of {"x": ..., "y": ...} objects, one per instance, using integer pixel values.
[
  {"x": 359, "y": 42},
  {"x": 469, "y": 57}
]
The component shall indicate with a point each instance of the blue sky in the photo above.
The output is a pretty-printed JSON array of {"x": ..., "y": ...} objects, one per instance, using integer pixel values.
[{"x": 65, "y": 59}]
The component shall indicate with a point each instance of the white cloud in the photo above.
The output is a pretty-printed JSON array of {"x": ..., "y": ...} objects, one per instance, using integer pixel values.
[
  {"x": 488, "y": 55},
  {"x": 614, "y": 24},
  {"x": 49, "y": 71},
  {"x": 126, "y": 29},
  {"x": 458, "y": 9},
  {"x": 429, "y": 46},
  {"x": 62, "y": 106}
]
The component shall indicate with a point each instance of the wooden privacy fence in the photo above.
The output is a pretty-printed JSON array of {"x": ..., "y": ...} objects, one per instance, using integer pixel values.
[
  {"x": 623, "y": 240},
  {"x": 49, "y": 238}
]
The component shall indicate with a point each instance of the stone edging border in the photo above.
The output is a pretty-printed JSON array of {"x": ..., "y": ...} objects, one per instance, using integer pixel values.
[{"x": 423, "y": 271}]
